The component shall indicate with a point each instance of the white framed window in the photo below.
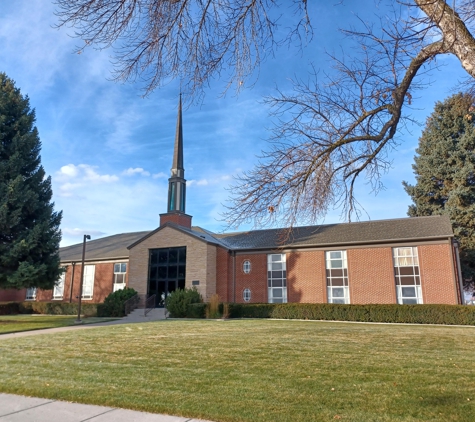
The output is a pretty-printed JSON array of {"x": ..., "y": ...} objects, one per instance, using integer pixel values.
[
  {"x": 120, "y": 271},
  {"x": 337, "y": 277},
  {"x": 407, "y": 275},
  {"x": 246, "y": 295},
  {"x": 246, "y": 266},
  {"x": 58, "y": 290},
  {"x": 88, "y": 283},
  {"x": 277, "y": 278},
  {"x": 31, "y": 293}
]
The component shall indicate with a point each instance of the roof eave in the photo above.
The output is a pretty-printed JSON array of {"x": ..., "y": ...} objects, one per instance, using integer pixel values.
[{"x": 323, "y": 245}]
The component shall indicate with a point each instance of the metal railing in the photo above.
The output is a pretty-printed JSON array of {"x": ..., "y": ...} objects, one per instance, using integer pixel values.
[
  {"x": 149, "y": 304},
  {"x": 131, "y": 304}
]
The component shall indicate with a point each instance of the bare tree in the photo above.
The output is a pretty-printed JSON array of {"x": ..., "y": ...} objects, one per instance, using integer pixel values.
[
  {"x": 193, "y": 40},
  {"x": 330, "y": 131}
]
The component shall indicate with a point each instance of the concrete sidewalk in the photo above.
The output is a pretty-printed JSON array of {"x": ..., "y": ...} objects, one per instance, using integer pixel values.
[
  {"x": 137, "y": 316},
  {"x": 31, "y": 409}
]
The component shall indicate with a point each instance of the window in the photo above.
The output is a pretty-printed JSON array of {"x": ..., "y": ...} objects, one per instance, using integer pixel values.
[
  {"x": 246, "y": 266},
  {"x": 120, "y": 270},
  {"x": 246, "y": 295},
  {"x": 58, "y": 290},
  {"x": 406, "y": 273},
  {"x": 276, "y": 278},
  {"x": 337, "y": 277},
  {"x": 167, "y": 272},
  {"x": 31, "y": 293},
  {"x": 88, "y": 283}
]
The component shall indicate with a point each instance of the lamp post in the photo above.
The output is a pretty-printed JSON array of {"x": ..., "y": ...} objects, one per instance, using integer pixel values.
[{"x": 86, "y": 237}]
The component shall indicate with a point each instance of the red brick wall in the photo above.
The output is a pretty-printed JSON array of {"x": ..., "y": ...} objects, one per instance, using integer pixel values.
[
  {"x": 371, "y": 275},
  {"x": 306, "y": 279},
  {"x": 437, "y": 279},
  {"x": 256, "y": 280},
  {"x": 103, "y": 284},
  {"x": 180, "y": 219},
  {"x": 12, "y": 295}
]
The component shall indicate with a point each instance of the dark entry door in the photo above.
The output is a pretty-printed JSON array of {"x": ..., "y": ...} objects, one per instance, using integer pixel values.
[{"x": 167, "y": 269}]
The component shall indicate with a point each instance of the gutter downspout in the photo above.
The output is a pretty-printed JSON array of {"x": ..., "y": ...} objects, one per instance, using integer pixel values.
[
  {"x": 234, "y": 276},
  {"x": 459, "y": 270},
  {"x": 72, "y": 281}
]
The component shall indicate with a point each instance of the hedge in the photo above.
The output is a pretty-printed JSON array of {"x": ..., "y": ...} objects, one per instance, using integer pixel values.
[
  {"x": 9, "y": 308},
  {"x": 178, "y": 301},
  {"x": 49, "y": 308},
  {"x": 414, "y": 314},
  {"x": 196, "y": 310}
]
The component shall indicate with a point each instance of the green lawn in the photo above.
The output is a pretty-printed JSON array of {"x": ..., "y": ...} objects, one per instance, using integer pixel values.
[
  {"x": 17, "y": 323},
  {"x": 254, "y": 370}
]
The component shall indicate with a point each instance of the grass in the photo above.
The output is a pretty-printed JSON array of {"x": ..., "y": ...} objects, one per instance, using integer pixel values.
[
  {"x": 254, "y": 370},
  {"x": 17, "y": 323}
]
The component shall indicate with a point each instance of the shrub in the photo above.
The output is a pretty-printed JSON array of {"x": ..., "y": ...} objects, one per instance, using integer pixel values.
[
  {"x": 177, "y": 302},
  {"x": 196, "y": 310},
  {"x": 57, "y": 308},
  {"x": 113, "y": 305},
  {"x": 9, "y": 308},
  {"x": 415, "y": 314}
]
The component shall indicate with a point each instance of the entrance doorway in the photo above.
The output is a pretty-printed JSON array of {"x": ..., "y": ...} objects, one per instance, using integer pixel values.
[{"x": 167, "y": 269}]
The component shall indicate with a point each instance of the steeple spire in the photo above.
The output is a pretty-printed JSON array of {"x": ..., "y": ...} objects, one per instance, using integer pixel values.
[
  {"x": 177, "y": 182},
  {"x": 177, "y": 164}
]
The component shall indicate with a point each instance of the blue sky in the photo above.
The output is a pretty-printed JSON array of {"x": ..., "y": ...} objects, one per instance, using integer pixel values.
[{"x": 109, "y": 151}]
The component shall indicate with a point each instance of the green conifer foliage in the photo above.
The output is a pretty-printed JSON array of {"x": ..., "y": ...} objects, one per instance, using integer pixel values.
[
  {"x": 29, "y": 226},
  {"x": 445, "y": 172}
]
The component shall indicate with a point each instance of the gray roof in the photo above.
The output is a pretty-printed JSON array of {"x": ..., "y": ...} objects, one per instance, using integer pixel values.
[
  {"x": 110, "y": 247},
  {"x": 367, "y": 232},
  {"x": 378, "y": 231}
]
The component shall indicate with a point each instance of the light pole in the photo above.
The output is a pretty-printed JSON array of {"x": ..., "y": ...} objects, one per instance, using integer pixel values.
[{"x": 86, "y": 237}]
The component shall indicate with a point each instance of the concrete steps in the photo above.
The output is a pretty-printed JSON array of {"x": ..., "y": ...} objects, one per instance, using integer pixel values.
[{"x": 137, "y": 315}]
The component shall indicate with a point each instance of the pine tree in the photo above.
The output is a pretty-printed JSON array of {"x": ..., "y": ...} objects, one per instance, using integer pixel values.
[
  {"x": 445, "y": 172},
  {"x": 29, "y": 226}
]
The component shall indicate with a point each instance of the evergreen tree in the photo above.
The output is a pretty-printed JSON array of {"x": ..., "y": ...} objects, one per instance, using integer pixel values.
[
  {"x": 29, "y": 226},
  {"x": 445, "y": 172}
]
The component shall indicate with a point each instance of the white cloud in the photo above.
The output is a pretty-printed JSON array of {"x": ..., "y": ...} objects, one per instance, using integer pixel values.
[
  {"x": 201, "y": 182},
  {"x": 69, "y": 170},
  {"x": 160, "y": 175},
  {"x": 138, "y": 170},
  {"x": 81, "y": 232},
  {"x": 72, "y": 178}
]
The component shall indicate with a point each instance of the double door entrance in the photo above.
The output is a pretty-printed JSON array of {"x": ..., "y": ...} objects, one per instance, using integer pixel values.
[{"x": 167, "y": 269}]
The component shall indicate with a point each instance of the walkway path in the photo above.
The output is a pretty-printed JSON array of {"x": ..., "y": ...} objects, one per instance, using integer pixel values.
[
  {"x": 127, "y": 320},
  {"x": 31, "y": 409}
]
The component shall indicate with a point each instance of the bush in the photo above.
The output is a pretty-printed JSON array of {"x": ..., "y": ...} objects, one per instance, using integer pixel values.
[
  {"x": 9, "y": 308},
  {"x": 57, "y": 308},
  {"x": 196, "y": 310},
  {"x": 415, "y": 314},
  {"x": 177, "y": 302},
  {"x": 113, "y": 305}
]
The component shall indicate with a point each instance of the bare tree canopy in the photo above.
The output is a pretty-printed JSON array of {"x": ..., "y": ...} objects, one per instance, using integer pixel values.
[
  {"x": 193, "y": 40},
  {"x": 331, "y": 130}
]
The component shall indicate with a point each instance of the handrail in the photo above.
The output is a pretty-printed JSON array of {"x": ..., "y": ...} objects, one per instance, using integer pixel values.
[
  {"x": 149, "y": 304},
  {"x": 131, "y": 304}
]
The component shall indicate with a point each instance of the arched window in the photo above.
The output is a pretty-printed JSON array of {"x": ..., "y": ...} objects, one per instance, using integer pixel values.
[
  {"x": 246, "y": 295},
  {"x": 246, "y": 266}
]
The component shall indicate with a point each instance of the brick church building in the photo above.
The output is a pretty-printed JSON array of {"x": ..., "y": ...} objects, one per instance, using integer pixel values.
[{"x": 405, "y": 261}]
